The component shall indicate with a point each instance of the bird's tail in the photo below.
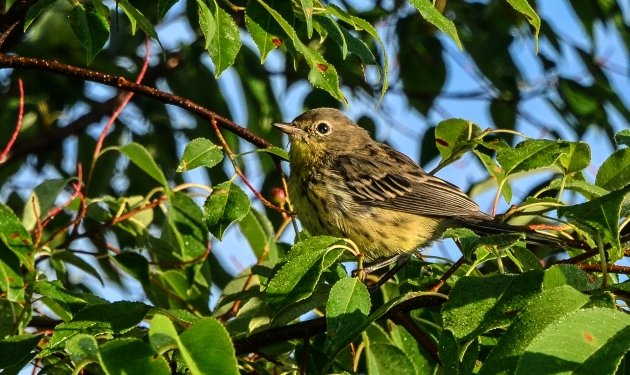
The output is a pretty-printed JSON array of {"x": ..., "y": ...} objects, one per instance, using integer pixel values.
[{"x": 487, "y": 225}]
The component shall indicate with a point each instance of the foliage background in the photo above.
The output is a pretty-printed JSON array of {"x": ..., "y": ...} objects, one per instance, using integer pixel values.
[{"x": 84, "y": 222}]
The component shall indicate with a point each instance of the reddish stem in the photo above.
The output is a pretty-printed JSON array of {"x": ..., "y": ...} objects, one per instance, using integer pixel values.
[{"x": 9, "y": 145}]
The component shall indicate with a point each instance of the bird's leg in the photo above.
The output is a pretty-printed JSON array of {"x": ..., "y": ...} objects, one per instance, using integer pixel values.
[{"x": 400, "y": 260}]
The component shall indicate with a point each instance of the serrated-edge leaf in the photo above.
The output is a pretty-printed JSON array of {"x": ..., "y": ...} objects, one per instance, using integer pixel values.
[
  {"x": 226, "y": 42},
  {"x": 91, "y": 28},
  {"x": 16, "y": 238},
  {"x": 323, "y": 75},
  {"x": 135, "y": 17},
  {"x": 615, "y": 171},
  {"x": 307, "y": 10},
  {"x": 437, "y": 19},
  {"x": 162, "y": 333},
  {"x": 200, "y": 152},
  {"x": 348, "y": 304},
  {"x": 226, "y": 204},
  {"x": 207, "y": 23},
  {"x": 623, "y": 137}
]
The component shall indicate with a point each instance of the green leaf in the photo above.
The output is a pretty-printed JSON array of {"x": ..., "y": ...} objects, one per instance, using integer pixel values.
[
  {"x": 273, "y": 150},
  {"x": 131, "y": 356},
  {"x": 207, "y": 23},
  {"x": 16, "y": 350},
  {"x": 227, "y": 204},
  {"x": 82, "y": 347},
  {"x": 67, "y": 256},
  {"x": 523, "y": 7},
  {"x": 386, "y": 359},
  {"x": 259, "y": 233},
  {"x": 226, "y": 42},
  {"x": 137, "y": 18},
  {"x": 348, "y": 305},
  {"x": 355, "y": 331},
  {"x": 307, "y": 10},
  {"x": 569, "y": 274},
  {"x": 531, "y": 154},
  {"x": 454, "y": 137},
  {"x": 115, "y": 317},
  {"x": 200, "y": 152},
  {"x": 623, "y": 138},
  {"x": 584, "y": 188},
  {"x": 479, "y": 304},
  {"x": 91, "y": 28},
  {"x": 297, "y": 278},
  {"x": 575, "y": 158},
  {"x": 207, "y": 348},
  {"x": 265, "y": 32},
  {"x": 15, "y": 237},
  {"x": 143, "y": 160},
  {"x": 36, "y": 10},
  {"x": 322, "y": 75},
  {"x": 162, "y": 333},
  {"x": 543, "y": 310},
  {"x": 361, "y": 24},
  {"x": 592, "y": 341},
  {"x": 187, "y": 230},
  {"x": 600, "y": 217},
  {"x": 437, "y": 19},
  {"x": 41, "y": 201},
  {"x": 56, "y": 291},
  {"x": 615, "y": 172}
]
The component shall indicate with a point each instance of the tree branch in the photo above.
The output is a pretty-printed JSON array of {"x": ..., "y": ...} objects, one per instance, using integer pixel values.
[
  {"x": 316, "y": 326},
  {"x": 11, "y": 61}
]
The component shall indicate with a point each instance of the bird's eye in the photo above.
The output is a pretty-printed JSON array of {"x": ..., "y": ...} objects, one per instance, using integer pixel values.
[{"x": 323, "y": 128}]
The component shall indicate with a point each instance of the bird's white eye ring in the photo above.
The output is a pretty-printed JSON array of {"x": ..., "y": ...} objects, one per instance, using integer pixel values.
[{"x": 323, "y": 128}]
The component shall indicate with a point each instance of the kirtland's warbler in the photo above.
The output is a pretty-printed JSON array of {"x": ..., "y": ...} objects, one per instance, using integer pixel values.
[{"x": 345, "y": 184}]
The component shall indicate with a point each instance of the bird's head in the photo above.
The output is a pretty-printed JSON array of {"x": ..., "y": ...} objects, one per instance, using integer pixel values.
[{"x": 318, "y": 132}]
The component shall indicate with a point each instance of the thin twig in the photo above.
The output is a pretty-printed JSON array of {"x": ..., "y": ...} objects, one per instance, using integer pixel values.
[
  {"x": 447, "y": 275},
  {"x": 18, "y": 125}
]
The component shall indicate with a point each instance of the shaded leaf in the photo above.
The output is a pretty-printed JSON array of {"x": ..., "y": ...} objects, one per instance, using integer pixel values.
[
  {"x": 131, "y": 356},
  {"x": 139, "y": 155},
  {"x": 615, "y": 172},
  {"x": 91, "y": 28},
  {"x": 227, "y": 204},
  {"x": 348, "y": 305}
]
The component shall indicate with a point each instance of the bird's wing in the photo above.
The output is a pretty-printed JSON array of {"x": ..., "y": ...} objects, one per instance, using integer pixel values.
[{"x": 391, "y": 180}]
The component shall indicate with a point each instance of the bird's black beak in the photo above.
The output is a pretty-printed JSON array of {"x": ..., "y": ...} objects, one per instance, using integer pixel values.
[{"x": 288, "y": 128}]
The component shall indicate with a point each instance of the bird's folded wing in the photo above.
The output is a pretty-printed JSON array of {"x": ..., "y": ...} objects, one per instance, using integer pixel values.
[{"x": 400, "y": 184}]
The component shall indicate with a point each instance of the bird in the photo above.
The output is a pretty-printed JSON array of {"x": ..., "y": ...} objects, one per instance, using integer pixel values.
[{"x": 345, "y": 184}]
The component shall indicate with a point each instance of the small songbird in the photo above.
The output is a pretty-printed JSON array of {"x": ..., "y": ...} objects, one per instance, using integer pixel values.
[{"x": 345, "y": 184}]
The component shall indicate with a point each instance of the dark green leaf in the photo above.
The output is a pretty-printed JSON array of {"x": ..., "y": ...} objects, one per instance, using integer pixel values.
[
  {"x": 615, "y": 172},
  {"x": 297, "y": 278},
  {"x": 531, "y": 154},
  {"x": 623, "y": 137},
  {"x": 137, "y": 18},
  {"x": 227, "y": 204},
  {"x": 200, "y": 152},
  {"x": 600, "y": 217},
  {"x": 575, "y": 158},
  {"x": 36, "y": 10},
  {"x": 348, "y": 305},
  {"x": 16, "y": 349},
  {"x": 69, "y": 257},
  {"x": 569, "y": 274},
  {"x": 163, "y": 6},
  {"x": 91, "y": 28},
  {"x": 131, "y": 356},
  {"x": 478, "y": 304}
]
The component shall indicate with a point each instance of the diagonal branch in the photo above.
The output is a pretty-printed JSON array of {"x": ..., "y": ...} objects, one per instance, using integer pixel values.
[{"x": 12, "y": 61}]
